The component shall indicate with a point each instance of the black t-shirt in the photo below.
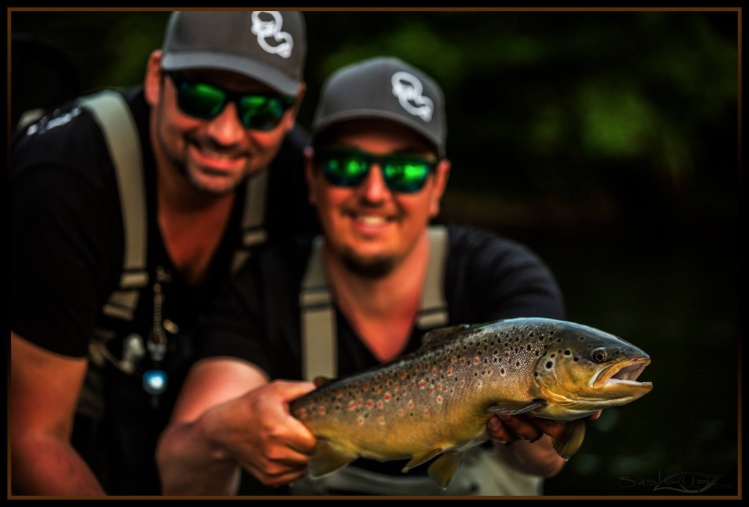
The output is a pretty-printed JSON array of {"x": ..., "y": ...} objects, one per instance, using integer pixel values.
[
  {"x": 257, "y": 315},
  {"x": 67, "y": 248}
]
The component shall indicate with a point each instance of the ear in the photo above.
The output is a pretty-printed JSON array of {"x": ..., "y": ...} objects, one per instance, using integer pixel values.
[
  {"x": 441, "y": 175},
  {"x": 309, "y": 175},
  {"x": 152, "y": 82}
]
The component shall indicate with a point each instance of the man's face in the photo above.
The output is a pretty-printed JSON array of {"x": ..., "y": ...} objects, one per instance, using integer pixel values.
[
  {"x": 214, "y": 154},
  {"x": 371, "y": 227}
]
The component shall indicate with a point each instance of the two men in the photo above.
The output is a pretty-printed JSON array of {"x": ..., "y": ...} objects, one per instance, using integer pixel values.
[{"x": 361, "y": 294}]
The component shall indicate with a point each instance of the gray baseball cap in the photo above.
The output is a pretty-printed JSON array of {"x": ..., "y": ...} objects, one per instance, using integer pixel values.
[
  {"x": 383, "y": 88},
  {"x": 268, "y": 46}
]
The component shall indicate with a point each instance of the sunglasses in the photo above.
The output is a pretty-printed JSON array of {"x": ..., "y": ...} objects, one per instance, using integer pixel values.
[
  {"x": 348, "y": 167},
  {"x": 256, "y": 111}
]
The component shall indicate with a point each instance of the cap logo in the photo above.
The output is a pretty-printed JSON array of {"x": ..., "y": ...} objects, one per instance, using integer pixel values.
[
  {"x": 408, "y": 89},
  {"x": 282, "y": 42}
]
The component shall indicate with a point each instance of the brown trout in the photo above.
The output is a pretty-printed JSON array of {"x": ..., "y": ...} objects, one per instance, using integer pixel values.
[{"x": 437, "y": 400}]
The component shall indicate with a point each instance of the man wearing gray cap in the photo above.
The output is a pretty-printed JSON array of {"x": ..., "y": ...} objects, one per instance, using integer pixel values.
[
  {"x": 129, "y": 208},
  {"x": 361, "y": 294}
]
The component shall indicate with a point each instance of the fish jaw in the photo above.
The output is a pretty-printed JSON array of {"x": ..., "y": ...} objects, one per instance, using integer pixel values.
[{"x": 586, "y": 370}]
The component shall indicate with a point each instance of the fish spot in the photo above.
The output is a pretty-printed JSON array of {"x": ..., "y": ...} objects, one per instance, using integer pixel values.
[
  {"x": 401, "y": 411},
  {"x": 351, "y": 405},
  {"x": 422, "y": 384},
  {"x": 321, "y": 410},
  {"x": 476, "y": 360},
  {"x": 380, "y": 404},
  {"x": 360, "y": 420},
  {"x": 567, "y": 353},
  {"x": 370, "y": 403},
  {"x": 439, "y": 400},
  {"x": 388, "y": 396},
  {"x": 426, "y": 411},
  {"x": 381, "y": 421},
  {"x": 549, "y": 365},
  {"x": 411, "y": 404},
  {"x": 517, "y": 363},
  {"x": 502, "y": 371}
]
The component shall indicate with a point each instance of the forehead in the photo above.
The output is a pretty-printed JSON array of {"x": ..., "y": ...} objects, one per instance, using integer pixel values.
[
  {"x": 388, "y": 135},
  {"x": 227, "y": 80}
]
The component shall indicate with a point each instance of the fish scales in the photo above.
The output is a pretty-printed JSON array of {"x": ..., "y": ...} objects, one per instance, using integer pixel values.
[{"x": 438, "y": 399}]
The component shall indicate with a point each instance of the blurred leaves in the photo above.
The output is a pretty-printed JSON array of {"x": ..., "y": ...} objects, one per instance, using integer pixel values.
[{"x": 556, "y": 119}]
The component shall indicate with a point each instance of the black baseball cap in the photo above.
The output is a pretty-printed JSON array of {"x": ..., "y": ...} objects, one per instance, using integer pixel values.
[
  {"x": 269, "y": 46},
  {"x": 383, "y": 88}
]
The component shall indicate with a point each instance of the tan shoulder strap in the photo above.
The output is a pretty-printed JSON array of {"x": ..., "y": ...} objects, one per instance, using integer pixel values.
[
  {"x": 319, "y": 349},
  {"x": 120, "y": 133},
  {"x": 319, "y": 340},
  {"x": 433, "y": 311}
]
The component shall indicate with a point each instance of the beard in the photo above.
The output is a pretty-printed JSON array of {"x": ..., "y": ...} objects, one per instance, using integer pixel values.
[{"x": 376, "y": 267}]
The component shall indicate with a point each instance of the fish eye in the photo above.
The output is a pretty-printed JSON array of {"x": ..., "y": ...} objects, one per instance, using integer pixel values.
[{"x": 598, "y": 355}]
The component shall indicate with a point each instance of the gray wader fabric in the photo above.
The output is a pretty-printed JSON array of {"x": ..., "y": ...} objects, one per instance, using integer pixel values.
[{"x": 480, "y": 471}]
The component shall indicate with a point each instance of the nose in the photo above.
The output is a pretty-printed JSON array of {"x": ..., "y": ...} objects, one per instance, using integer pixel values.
[
  {"x": 225, "y": 129},
  {"x": 373, "y": 188}
]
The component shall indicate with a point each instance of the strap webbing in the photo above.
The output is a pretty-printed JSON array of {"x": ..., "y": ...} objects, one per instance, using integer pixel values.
[
  {"x": 319, "y": 343},
  {"x": 120, "y": 133},
  {"x": 319, "y": 353}
]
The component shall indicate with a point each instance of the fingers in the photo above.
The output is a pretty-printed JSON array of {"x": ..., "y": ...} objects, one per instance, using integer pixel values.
[{"x": 509, "y": 429}]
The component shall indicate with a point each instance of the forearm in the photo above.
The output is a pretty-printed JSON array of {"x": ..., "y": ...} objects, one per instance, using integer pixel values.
[
  {"x": 192, "y": 463},
  {"x": 48, "y": 467},
  {"x": 536, "y": 458}
]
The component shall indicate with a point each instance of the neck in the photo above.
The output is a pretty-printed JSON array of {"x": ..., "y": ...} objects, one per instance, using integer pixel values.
[{"x": 396, "y": 294}]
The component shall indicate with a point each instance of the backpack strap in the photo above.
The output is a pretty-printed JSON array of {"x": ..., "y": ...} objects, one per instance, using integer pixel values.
[
  {"x": 253, "y": 218},
  {"x": 120, "y": 133},
  {"x": 433, "y": 312},
  {"x": 319, "y": 351},
  {"x": 319, "y": 344}
]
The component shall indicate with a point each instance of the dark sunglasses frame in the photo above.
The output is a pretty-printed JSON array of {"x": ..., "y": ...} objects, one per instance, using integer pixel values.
[
  {"x": 182, "y": 85},
  {"x": 388, "y": 167}
]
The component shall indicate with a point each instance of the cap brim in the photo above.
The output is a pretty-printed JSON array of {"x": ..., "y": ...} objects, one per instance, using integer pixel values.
[
  {"x": 259, "y": 71},
  {"x": 374, "y": 114}
]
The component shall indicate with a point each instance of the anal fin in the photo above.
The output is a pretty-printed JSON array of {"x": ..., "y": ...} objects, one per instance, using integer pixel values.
[
  {"x": 328, "y": 457},
  {"x": 443, "y": 469}
]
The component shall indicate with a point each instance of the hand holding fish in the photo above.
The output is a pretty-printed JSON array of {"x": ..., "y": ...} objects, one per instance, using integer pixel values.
[
  {"x": 265, "y": 439},
  {"x": 527, "y": 443}
]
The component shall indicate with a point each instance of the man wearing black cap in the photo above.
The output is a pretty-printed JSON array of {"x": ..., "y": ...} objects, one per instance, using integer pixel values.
[
  {"x": 362, "y": 294},
  {"x": 128, "y": 209}
]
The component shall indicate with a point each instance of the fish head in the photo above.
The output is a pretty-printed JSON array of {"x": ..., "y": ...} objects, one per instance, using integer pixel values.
[{"x": 584, "y": 370}]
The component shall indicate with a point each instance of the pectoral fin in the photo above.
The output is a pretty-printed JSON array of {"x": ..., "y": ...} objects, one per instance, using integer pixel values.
[
  {"x": 571, "y": 439},
  {"x": 328, "y": 457},
  {"x": 514, "y": 407},
  {"x": 443, "y": 469}
]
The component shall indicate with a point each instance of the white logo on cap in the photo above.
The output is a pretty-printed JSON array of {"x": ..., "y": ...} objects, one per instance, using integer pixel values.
[
  {"x": 272, "y": 28},
  {"x": 408, "y": 88}
]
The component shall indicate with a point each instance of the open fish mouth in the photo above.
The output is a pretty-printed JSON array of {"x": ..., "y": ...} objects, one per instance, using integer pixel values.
[{"x": 623, "y": 373}]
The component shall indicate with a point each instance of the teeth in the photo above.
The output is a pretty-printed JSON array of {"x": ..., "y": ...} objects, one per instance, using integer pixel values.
[{"x": 371, "y": 220}]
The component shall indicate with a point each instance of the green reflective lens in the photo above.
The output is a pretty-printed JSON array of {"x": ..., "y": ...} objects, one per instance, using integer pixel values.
[
  {"x": 205, "y": 101},
  {"x": 403, "y": 173}
]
